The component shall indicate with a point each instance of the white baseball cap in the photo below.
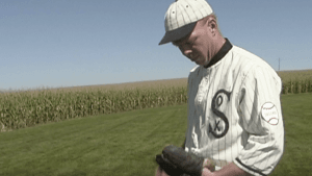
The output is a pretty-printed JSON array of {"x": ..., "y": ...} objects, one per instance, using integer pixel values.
[{"x": 181, "y": 18}]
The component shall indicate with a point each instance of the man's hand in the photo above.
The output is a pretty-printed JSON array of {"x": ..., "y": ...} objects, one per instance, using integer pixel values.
[
  {"x": 209, "y": 165},
  {"x": 207, "y": 172},
  {"x": 175, "y": 161}
]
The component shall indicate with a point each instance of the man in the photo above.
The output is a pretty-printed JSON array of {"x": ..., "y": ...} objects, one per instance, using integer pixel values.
[{"x": 235, "y": 124}]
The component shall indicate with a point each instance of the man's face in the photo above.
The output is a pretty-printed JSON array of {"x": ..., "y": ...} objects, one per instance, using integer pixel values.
[{"x": 195, "y": 46}]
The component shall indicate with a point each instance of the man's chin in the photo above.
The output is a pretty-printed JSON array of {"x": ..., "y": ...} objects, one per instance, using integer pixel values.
[
  {"x": 198, "y": 61},
  {"x": 201, "y": 63}
]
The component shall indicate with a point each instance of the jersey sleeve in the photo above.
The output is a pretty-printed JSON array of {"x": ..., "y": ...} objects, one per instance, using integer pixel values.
[{"x": 260, "y": 112}]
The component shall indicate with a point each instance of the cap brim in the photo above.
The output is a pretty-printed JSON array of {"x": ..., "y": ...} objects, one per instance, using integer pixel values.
[{"x": 177, "y": 34}]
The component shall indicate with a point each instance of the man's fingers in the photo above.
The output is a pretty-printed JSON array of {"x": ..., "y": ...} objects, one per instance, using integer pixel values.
[
  {"x": 209, "y": 165},
  {"x": 206, "y": 172}
]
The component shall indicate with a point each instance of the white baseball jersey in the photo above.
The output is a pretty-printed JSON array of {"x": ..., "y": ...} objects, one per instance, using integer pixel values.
[{"x": 234, "y": 112}]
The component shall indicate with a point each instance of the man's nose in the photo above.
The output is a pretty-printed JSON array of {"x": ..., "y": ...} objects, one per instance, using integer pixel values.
[{"x": 187, "y": 52}]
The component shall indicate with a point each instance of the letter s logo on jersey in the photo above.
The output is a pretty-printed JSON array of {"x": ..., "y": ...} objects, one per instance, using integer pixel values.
[{"x": 220, "y": 126}]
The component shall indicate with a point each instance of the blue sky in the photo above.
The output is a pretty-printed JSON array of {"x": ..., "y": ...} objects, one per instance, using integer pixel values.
[{"x": 60, "y": 43}]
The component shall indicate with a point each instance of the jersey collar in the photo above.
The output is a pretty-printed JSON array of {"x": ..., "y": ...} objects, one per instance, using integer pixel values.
[{"x": 227, "y": 46}]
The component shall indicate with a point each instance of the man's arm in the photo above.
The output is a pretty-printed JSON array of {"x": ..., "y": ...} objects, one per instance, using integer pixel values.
[{"x": 261, "y": 119}]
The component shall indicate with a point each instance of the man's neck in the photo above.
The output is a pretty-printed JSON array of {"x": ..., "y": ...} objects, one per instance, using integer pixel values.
[
  {"x": 218, "y": 45},
  {"x": 221, "y": 52}
]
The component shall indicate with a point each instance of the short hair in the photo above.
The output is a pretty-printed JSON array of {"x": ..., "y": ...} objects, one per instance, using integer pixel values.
[
  {"x": 214, "y": 16},
  {"x": 205, "y": 19}
]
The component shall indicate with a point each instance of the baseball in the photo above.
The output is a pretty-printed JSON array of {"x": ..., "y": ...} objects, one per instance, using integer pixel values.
[{"x": 269, "y": 113}]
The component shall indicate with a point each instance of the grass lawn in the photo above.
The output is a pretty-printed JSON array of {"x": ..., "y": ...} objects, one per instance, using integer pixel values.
[
  {"x": 126, "y": 143},
  {"x": 297, "y": 159}
]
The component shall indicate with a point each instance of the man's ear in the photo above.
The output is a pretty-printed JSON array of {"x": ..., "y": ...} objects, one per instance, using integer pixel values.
[{"x": 212, "y": 24}]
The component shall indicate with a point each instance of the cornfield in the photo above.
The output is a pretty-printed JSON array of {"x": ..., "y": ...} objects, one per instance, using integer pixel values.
[
  {"x": 297, "y": 86},
  {"x": 24, "y": 109},
  {"x": 296, "y": 81},
  {"x": 28, "y": 108}
]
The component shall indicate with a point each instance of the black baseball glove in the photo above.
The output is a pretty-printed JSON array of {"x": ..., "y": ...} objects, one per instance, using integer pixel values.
[{"x": 175, "y": 162}]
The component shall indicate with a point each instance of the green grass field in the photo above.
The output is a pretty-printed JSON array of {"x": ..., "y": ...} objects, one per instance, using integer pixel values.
[{"x": 126, "y": 143}]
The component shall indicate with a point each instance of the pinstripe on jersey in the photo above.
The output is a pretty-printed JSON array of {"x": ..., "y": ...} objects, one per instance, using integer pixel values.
[{"x": 227, "y": 121}]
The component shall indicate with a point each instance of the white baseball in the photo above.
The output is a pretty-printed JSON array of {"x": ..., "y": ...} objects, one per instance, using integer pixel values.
[{"x": 269, "y": 113}]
